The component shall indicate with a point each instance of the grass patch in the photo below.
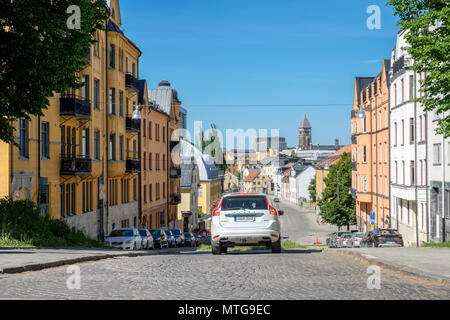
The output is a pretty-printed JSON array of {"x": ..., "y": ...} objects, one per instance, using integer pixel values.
[
  {"x": 437, "y": 245},
  {"x": 285, "y": 244},
  {"x": 21, "y": 224}
]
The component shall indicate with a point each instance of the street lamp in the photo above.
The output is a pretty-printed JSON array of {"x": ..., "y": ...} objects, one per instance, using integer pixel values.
[{"x": 361, "y": 114}]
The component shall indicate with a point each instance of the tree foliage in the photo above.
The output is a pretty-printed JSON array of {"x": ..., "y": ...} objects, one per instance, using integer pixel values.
[
  {"x": 312, "y": 189},
  {"x": 427, "y": 22},
  {"x": 40, "y": 55},
  {"x": 339, "y": 211},
  {"x": 212, "y": 145}
]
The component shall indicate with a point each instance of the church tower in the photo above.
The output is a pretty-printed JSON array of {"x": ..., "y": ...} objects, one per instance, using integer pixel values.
[{"x": 304, "y": 134}]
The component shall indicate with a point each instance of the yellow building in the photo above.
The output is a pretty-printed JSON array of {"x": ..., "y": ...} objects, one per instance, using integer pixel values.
[
  {"x": 80, "y": 160},
  {"x": 188, "y": 208}
]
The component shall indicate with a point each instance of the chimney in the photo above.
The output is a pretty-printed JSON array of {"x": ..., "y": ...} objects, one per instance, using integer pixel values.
[{"x": 336, "y": 144}]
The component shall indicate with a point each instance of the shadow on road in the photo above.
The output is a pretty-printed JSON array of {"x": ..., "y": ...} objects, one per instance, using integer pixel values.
[{"x": 262, "y": 251}]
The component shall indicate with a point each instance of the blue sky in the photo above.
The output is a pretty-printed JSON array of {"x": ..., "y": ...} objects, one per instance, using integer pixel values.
[{"x": 261, "y": 52}]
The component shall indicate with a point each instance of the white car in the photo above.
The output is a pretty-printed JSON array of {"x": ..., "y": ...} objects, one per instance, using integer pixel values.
[
  {"x": 147, "y": 239},
  {"x": 245, "y": 219},
  {"x": 125, "y": 238}
]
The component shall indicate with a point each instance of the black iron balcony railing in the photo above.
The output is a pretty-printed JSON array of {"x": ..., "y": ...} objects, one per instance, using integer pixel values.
[
  {"x": 75, "y": 165},
  {"x": 133, "y": 124},
  {"x": 133, "y": 165},
  {"x": 354, "y": 165},
  {"x": 131, "y": 82},
  {"x": 175, "y": 198},
  {"x": 175, "y": 172},
  {"x": 74, "y": 106},
  {"x": 353, "y": 138}
]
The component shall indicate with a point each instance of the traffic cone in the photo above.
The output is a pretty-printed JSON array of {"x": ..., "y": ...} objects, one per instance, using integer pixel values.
[{"x": 317, "y": 241}]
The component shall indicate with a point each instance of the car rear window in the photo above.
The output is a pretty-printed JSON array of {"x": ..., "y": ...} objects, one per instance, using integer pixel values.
[
  {"x": 122, "y": 233},
  {"x": 252, "y": 203},
  {"x": 388, "y": 232},
  {"x": 176, "y": 232}
]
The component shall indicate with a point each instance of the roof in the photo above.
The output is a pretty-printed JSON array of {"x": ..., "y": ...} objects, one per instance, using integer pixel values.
[
  {"x": 205, "y": 163},
  {"x": 112, "y": 27},
  {"x": 361, "y": 83},
  {"x": 334, "y": 158},
  {"x": 162, "y": 96},
  {"x": 305, "y": 123},
  {"x": 252, "y": 175}
]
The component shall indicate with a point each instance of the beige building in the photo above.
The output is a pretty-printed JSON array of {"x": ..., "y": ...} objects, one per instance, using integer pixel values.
[{"x": 189, "y": 186}]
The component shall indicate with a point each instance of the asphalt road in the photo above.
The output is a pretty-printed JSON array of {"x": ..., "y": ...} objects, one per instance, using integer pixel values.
[{"x": 300, "y": 225}]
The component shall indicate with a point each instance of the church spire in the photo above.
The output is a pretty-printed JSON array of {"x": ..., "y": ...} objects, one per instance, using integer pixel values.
[
  {"x": 304, "y": 134},
  {"x": 305, "y": 123}
]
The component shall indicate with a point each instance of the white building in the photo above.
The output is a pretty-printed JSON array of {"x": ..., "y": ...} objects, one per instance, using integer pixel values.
[
  {"x": 299, "y": 180},
  {"x": 408, "y": 142}
]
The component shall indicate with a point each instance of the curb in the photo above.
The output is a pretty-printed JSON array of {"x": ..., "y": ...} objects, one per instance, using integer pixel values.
[
  {"x": 53, "y": 264},
  {"x": 405, "y": 270}
]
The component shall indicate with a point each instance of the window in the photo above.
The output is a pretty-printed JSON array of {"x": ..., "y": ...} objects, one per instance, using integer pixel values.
[
  {"x": 85, "y": 88},
  {"x": 97, "y": 46},
  {"x": 134, "y": 189},
  {"x": 437, "y": 154},
  {"x": 364, "y": 183},
  {"x": 150, "y": 130},
  {"x": 411, "y": 88},
  {"x": 96, "y": 145},
  {"x": 412, "y": 174},
  {"x": 150, "y": 193},
  {"x": 45, "y": 140},
  {"x": 364, "y": 154},
  {"x": 121, "y": 103},
  {"x": 144, "y": 128},
  {"x": 112, "y": 146},
  {"x": 403, "y": 90},
  {"x": 145, "y": 160},
  {"x": 396, "y": 172},
  {"x": 23, "y": 138},
  {"x": 133, "y": 69},
  {"x": 164, "y": 134},
  {"x": 112, "y": 56},
  {"x": 411, "y": 130},
  {"x": 149, "y": 161},
  {"x": 403, "y": 132},
  {"x": 395, "y": 94},
  {"x": 121, "y": 147},
  {"x": 96, "y": 94},
  {"x": 134, "y": 149},
  {"x": 85, "y": 142},
  {"x": 164, "y": 162},
  {"x": 404, "y": 176},
  {"x": 420, "y": 127},
  {"x": 112, "y": 101},
  {"x": 145, "y": 194},
  {"x": 121, "y": 60},
  {"x": 395, "y": 133},
  {"x": 164, "y": 190}
]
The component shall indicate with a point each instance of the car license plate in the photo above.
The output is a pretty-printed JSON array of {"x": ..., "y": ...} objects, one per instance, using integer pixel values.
[{"x": 244, "y": 218}]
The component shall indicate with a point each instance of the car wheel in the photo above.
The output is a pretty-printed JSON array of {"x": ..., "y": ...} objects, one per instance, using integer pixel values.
[
  {"x": 373, "y": 244},
  {"x": 134, "y": 247},
  {"x": 276, "y": 246},
  {"x": 215, "y": 249},
  {"x": 223, "y": 249}
]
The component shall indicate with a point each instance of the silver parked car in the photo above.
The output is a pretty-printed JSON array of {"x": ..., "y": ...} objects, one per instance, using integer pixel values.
[
  {"x": 355, "y": 240},
  {"x": 125, "y": 238},
  {"x": 147, "y": 239},
  {"x": 343, "y": 240},
  {"x": 245, "y": 219}
]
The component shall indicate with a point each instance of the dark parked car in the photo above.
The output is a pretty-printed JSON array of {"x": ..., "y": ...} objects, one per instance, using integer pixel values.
[
  {"x": 189, "y": 239},
  {"x": 170, "y": 239},
  {"x": 382, "y": 238},
  {"x": 179, "y": 237},
  {"x": 197, "y": 241},
  {"x": 159, "y": 239}
]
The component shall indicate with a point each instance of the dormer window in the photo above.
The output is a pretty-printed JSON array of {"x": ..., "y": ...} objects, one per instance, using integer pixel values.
[{"x": 112, "y": 13}]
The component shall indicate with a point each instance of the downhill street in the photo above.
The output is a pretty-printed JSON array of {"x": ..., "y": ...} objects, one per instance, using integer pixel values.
[{"x": 293, "y": 274}]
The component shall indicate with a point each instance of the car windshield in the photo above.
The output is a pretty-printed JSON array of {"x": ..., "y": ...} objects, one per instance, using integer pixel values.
[
  {"x": 187, "y": 235},
  {"x": 251, "y": 203},
  {"x": 157, "y": 233},
  {"x": 357, "y": 235},
  {"x": 176, "y": 232},
  {"x": 121, "y": 233},
  {"x": 143, "y": 233}
]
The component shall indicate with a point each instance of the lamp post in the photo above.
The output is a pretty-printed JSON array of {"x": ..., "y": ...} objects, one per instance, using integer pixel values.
[{"x": 137, "y": 116}]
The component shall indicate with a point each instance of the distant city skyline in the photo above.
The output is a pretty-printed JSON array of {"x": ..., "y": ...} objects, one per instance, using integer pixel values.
[{"x": 245, "y": 64}]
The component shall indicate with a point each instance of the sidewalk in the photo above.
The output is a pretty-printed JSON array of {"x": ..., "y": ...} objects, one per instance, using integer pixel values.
[
  {"x": 22, "y": 260},
  {"x": 431, "y": 264}
]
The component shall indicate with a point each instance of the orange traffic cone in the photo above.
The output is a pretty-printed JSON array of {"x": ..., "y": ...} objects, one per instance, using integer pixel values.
[{"x": 317, "y": 241}]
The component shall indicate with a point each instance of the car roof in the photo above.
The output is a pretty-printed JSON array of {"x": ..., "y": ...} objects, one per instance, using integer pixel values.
[{"x": 233, "y": 194}]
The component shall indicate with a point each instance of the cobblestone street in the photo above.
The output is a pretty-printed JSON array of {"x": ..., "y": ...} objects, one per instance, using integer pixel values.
[{"x": 295, "y": 274}]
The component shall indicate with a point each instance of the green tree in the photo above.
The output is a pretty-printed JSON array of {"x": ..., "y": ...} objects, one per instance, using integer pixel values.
[
  {"x": 40, "y": 55},
  {"x": 428, "y": 36},
  {"x": 334, "y": 209},
  {"x": 293, "y": 154},
  {"x": 312, "y": 189}
]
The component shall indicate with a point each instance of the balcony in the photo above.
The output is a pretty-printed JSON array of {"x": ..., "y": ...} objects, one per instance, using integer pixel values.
[
  {"x": 133, "y": 166},
  {"x": 353, "y": 166},
  {"x": 131, "y": 82},
  {"x": 133, "y": 124},
  {"x": 175, "y": 198},
  {"x": 74, "y": 106},
  {"x": 353, "y": 138},
  {"x": 175, "y": 173},
  {"x": 75, "y": 165}
]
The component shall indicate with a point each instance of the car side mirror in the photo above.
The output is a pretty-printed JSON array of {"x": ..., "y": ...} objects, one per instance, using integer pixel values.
[{"x": 280, "y": 212}]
